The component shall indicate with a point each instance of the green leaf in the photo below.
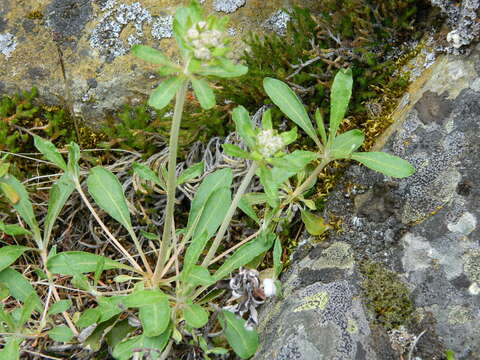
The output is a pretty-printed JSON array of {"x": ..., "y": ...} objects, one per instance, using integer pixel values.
[
  {"x": 110, "y": 307},
  {"x": 270, "y": 185},
  {"x": 23, "y": 205},
  {"x": 313, "y": 223},
  {"x": 124, "y": 350},
  {"x": 9, "y": 193},
  {"x": 214, "y": 181},
  {"x": 59, "y": 307},
  {"x": 294, "y": 162},
  {"x": 267, "y": 120},
  {"x": 58, "y": 196},
  {"x": 194, "y": 250},
  {"x": 107, "y": 192},
  {"x": 235, "y": 151},
  {"x": 345, "y": 144},
  {"x": 9, "y": 254},
  {"x": 11, "y": 350},
  {"x": 19, "y": 287},
  {"x": 50, "y": 152},
  {"x": 219, "y": 71},
  {"x": 247, "y": 200},
  {"x": 195, "y": 315},
  {"x": 277, "y": 257},
  {"x": 27, "y": 310},
  {"x": 339, "y": 98},
  {"x": 88, "y": 317},
  {"x": 243, "y": 125},
  {"x": 61, "y": 333},
  {"x": 79, "y": 262},
  {"x": 190, "y": 173},
  {"x": 155, "y": 317},
  {"x": 141, "y": 298},
  {"x": 248, "y": 209},
  {"x": 244, "y": 342},
  {"x": 73, "y": 159},
  {"x": 197, "y": 275},
  {"x": 387, "y": 164},
  {"x": 118, "y": 333},
  {"x": 321, "y": 126},
  {"x": 151, "y": 55},
  {"x": 284, "y": 97},
  {"x": 13, "y": 229},
  {"x": 204, "y": 93},
  {"x": 164, "y": 93},
  {"x": 148, "y": 174},
  {"x": 245, "y": 254},
  {"x": 214, "y": 212}
]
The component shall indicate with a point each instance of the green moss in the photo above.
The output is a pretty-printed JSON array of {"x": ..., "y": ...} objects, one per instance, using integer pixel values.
[
  {"x": 386, "y": 296},
  {"x": 143, "y": 128},
  {"x": 361, "y": 34}
]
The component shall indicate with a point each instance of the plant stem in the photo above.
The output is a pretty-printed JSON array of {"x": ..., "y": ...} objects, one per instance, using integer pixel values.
[
  {"x": 228, "y": 217},
  {"x": 309, "y": 181},
  {"x": 105, "y": 228},
  {"x": 171, "y": 181}
]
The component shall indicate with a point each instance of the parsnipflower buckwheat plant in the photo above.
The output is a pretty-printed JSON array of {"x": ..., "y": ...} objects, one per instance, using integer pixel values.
[{"x": 168, "y": 297}]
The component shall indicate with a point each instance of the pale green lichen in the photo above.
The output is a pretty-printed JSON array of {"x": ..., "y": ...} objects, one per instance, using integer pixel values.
[
  {"x": 317, "y": 301},
  {"x": 352, "y": 326},
  {"x": 459, "y": 315},
  {"x": 471, "y": 265},
  {"x": 338, "y": 255}
]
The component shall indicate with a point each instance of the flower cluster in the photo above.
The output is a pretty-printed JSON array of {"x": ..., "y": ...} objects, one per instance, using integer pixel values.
[
  {"x": 204, "y": 40},
  {"x": 269, "y": 143}
]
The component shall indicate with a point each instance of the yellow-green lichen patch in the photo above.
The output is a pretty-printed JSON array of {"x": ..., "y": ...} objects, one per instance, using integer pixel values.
[
  {"x": 352, "y": 326},
  {"x": 471, "y": 265},
  {"x": 459, "y": 315},
  {"x": 385, "y": 295},
  {"x": 338, "y": 255},
  {"x": 317, "y": 301}
]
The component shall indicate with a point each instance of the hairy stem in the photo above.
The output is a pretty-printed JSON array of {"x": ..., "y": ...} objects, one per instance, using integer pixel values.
[
  {"x": 228, "y": 217},
  {"x": 171, "y": 181},
  {"x": 309, "y": 181}
]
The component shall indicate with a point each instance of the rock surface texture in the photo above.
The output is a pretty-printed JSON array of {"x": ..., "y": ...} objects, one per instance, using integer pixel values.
[
  {"x": 416, "y": 238},
  {"x": 76, "y": 52}
]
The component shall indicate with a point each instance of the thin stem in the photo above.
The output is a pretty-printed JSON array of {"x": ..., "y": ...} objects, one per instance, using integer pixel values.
[
  {"x": 141, "y": 253},
  {"x": 171, "y": 180},
  {"x": 228, "y": 217},
  {"x": 105, "y": 229},
  {"x": 236, "y": 246},
  {"x": 309, "y": 181}
]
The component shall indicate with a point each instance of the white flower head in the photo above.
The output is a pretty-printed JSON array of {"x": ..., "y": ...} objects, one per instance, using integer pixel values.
[
  {"x": 202, "y": 53},
  {"x": 193, "y": 33},
  {"x": 269, "y": 143},
  {"x": 202, "y": 25},
  {"x": 269, "y": 287}
]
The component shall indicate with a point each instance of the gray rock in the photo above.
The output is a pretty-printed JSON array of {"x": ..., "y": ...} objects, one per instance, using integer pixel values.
[{"x": 424, "y": 228}]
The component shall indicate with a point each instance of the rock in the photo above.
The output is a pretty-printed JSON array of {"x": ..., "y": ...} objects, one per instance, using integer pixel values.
[
  {"x": 77, "y": 52},
  {"x": 420, "y": 232}
]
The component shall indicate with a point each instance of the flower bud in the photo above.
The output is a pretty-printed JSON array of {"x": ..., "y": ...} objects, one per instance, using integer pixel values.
[{"x": 269, "y": 287}]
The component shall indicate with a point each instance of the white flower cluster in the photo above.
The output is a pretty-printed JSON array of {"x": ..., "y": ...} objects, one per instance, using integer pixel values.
[
  {"x": 269, "y": 143},
  {"x": 203, "y": 40}
]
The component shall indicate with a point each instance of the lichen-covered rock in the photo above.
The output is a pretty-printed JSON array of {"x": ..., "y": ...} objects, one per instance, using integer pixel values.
[
  {"x": 77, "y": 52},
  {"x": 416, "y": 237}
]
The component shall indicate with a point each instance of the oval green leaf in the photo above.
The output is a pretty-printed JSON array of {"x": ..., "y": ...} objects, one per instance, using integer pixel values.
[
  {"x": 155, "y": 317},
  {"x": 195, "y": 315},
  {"x": 9, "y": 254},
  {"x": 79, "y": 262},
  {"x": 49, "y": 151},
  {"x": 339, "y": 98},
  {"x": 384, "y": 163},
  {"x": 204, "y": 93},
  {"x": 161, "y": 96},
  {"x": 107, "y": 192},
  {"x": 345, "y": 144},
  {"x": 151, "y": 55},
  {"x": 244, "y": 342},
  {"x": 284, "y": 97},
  {"x": 61, "y": 333}
]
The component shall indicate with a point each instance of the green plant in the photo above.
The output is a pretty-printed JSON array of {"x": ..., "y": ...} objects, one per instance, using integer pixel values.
[{"x": 174, "y": 298}]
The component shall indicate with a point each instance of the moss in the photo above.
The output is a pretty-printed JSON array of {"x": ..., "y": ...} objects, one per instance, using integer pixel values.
[
  {"x": 386, "y": 296},
  {"x": 35, "y": 15}
]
